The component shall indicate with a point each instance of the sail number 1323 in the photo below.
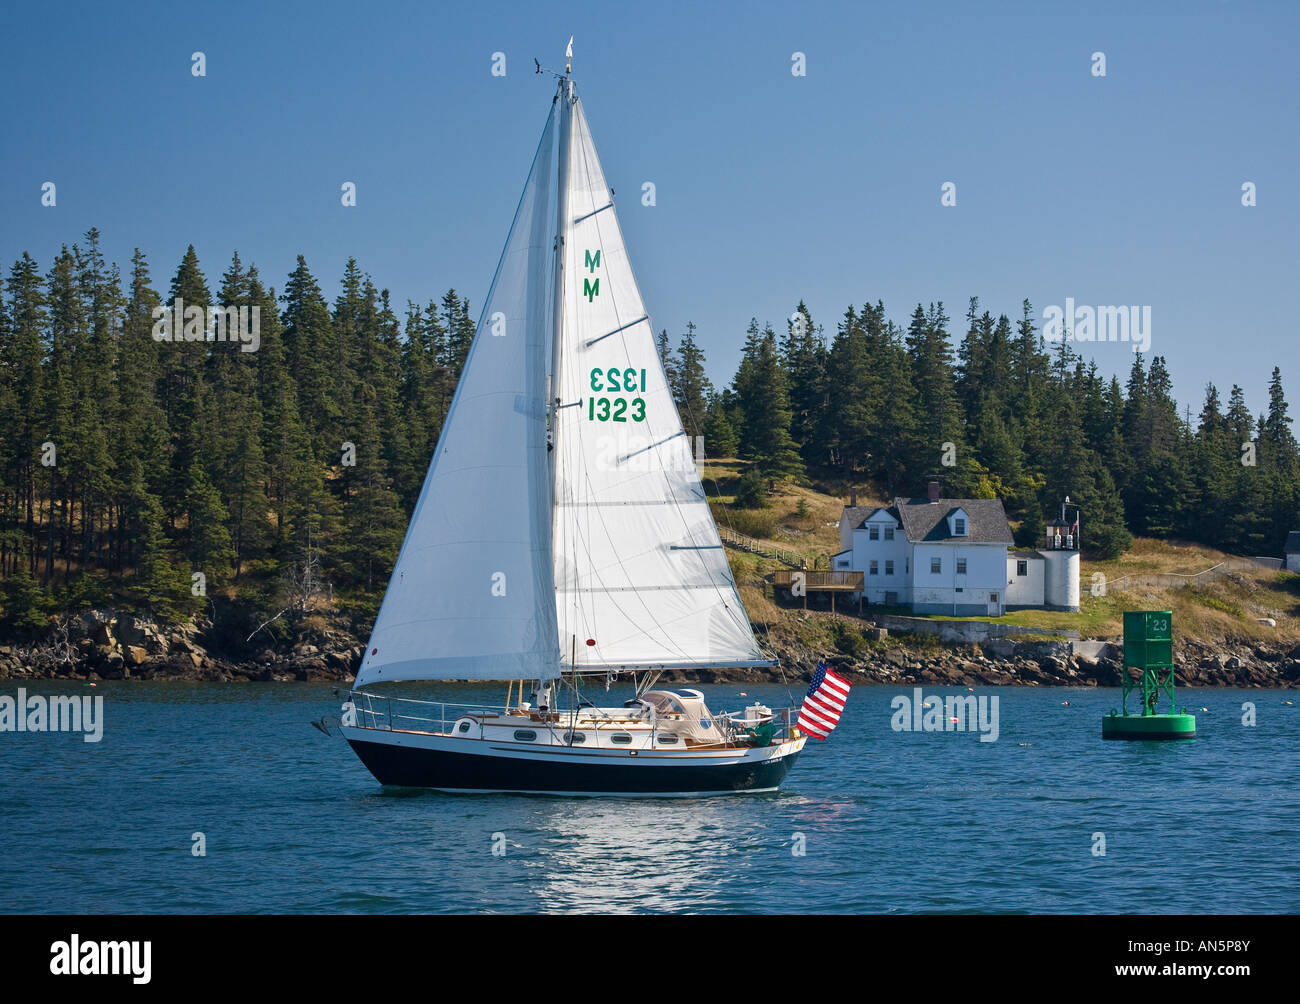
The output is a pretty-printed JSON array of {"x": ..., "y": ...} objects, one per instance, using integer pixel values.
[{"x": 619, "y": 381}]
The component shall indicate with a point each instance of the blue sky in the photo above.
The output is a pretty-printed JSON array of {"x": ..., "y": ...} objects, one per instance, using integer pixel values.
[{"x": 1123, "y": 189}]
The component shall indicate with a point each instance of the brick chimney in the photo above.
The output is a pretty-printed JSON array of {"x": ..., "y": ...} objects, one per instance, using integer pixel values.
[{"x": 934, "y": 491}]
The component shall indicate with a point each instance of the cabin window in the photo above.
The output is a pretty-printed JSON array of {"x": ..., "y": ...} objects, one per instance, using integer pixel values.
[
  {"x": 889, "y": 533},
  {"x": 574, "y": 738},
  {"x": 875, "y": 567},
  {"x": 620, "y": 739},
  {"x": 936, "y": 566},
  {"x": 667, "y": 740},
  {"x": 889, "y": 568},
  {"x": 525, "y": 736},
  {"x": 961, "y": 566},
  {"x": 959, "y": 526},
  {"x": 873, "y": 533},
  {"x": 1022, "y": 567},
  {"x": 464, "y": 727}
]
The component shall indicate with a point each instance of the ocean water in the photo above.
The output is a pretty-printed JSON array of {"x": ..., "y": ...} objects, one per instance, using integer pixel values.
[{"x": 888, "y": 821}]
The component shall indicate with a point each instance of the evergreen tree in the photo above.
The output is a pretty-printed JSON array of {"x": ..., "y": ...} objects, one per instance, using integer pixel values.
[
  {"x": 764, "y": 402},
  {"x": 310, "y": 345},
  {"x": 804, "y": 357},
  {"x": 664, "y": 349},
  {"x": 720, "y": 437},
  {"x": 690, "y": 387}
]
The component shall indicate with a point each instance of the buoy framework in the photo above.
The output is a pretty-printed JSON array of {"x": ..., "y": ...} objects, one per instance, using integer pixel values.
[{"x": 1148, "y": 650}]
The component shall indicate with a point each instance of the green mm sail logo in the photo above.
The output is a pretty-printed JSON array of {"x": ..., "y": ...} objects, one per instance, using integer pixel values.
[{"x": 591, "y": 287}]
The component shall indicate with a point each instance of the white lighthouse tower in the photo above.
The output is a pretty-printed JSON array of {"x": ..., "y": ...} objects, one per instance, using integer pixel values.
[{"x": 1061, "y": 578}]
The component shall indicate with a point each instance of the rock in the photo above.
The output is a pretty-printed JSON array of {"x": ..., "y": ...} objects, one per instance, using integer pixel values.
[
  {"x": 129, "y": 631},
  {"x": 135, "y": 655}
]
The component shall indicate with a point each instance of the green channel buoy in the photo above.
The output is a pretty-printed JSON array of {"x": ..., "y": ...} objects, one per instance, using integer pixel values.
[{"x": 1149, "y": 652}]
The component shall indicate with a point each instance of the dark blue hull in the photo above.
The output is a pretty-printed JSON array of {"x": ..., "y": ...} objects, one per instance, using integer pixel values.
[{"x": 584, "y": 774}]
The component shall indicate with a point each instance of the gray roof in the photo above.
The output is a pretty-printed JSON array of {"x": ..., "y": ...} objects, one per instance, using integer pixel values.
[
  {"x": 858, "y": 513},
  {"x": 1024, "y": 552},
  {"x": 924, "y": 520},
  {"x": 1293, "y": 542}
]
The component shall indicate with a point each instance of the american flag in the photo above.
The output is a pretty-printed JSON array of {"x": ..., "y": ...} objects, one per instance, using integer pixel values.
[{"x": 825, "y": 702}]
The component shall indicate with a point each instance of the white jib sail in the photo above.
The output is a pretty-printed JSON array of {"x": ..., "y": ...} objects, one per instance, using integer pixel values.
[
  {"x": 471, "y": 595},
  {"x": 639, "y": 568}
]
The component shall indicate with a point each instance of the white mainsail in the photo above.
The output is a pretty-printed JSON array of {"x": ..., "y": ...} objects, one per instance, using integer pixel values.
[
  {"x": 472, "y": 596},
  {"x": 639, "y": 568},
  {"x": 515, "y": 551}
]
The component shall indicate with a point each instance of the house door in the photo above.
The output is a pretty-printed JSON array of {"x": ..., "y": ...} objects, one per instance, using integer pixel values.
[{"x": 993, "y": 605}]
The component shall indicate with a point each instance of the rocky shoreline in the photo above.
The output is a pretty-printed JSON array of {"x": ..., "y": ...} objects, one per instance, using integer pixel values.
[{"x": 107, "y": 645}]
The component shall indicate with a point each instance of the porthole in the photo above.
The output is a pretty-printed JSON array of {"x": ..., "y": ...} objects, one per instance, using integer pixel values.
[
  {"x": 668, "y": 740},
  {"x": 525, "y": 736},
  {"x": 574, "y": 738},
  {"x": 620, "y": 739},
  {"x": 463, "y": 727}
]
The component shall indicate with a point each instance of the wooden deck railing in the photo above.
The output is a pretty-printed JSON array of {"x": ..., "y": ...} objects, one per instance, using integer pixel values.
[{"x": 845, "y": 582}]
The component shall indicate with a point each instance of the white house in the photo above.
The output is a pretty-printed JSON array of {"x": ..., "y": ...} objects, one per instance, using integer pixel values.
[
  {"x": 953, "y": 556},
  {"x": 1291, "y": 562}
]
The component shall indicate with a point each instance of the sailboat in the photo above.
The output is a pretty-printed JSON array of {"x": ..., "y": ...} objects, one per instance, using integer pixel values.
[{"x": 562, "y": 535}]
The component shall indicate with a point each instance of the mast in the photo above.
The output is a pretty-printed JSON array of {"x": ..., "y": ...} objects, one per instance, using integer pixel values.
[{"x": 565, "y": 99}]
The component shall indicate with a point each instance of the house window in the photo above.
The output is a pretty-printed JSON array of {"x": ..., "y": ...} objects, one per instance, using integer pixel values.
[
  {"x": 873, "y": 533},
  {"x": 889, "y": 533},
  {"x": 889, "y": 568},
  {"x": 961, "y": 566},
  {"x": 875, "y": 567},
  {"x": 1022, "y": 568},
  {"x": 959, "y": 526},
  {"x": 842, "y": 563},
  {"x": 936, "y": 566}
]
